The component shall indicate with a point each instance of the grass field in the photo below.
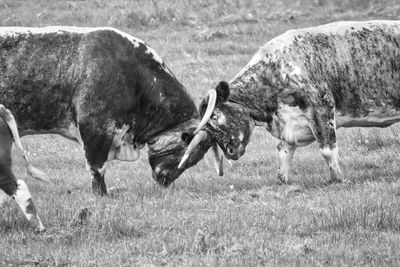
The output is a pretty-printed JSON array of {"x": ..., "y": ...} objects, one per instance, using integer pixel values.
[{"x": 242, "y": 219}]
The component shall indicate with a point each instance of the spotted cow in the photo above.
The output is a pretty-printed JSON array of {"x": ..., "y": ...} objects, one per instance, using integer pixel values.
[
  {"x": 304, "y": 84},
  {"x": 104, "y": 88}
]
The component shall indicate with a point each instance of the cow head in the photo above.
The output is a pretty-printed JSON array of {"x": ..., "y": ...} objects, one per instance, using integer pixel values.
[
  {"x": 230, "y": 124},
  {"x": 180, "y": 147}
]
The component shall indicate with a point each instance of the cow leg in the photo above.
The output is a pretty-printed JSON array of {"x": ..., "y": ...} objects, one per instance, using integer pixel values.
[
  {"x": 286, "y": 153},
  {"x": 96, "y": 148},
  {"x": 98, "y": 184},
  {"x": 323, "y": 126}
]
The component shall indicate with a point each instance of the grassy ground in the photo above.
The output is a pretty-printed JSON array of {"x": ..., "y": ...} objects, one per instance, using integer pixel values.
[{"x": 242, "y": 219}]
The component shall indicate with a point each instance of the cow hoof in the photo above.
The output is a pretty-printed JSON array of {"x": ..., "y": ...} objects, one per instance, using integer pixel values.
[
  {"x": 281, "y": 180},
  {"x": 40, "y": 229},
  {"x": 335, "y": 181},
  {"x": 99, "y": 192}
]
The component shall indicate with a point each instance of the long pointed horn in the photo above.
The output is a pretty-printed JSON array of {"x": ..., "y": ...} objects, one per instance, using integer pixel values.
[
  {"x": 197, "y": 139},
  {"x": 212, "y": 99},
  {"x": 218, "y": 160}
]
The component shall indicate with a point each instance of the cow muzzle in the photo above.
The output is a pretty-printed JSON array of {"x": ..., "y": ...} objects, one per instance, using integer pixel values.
[
  {"x": 235, "y": 152},
  {"x": 163, "y": 177}
]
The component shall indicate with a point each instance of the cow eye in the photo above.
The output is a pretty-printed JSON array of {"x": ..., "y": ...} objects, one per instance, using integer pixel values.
[{"x": 186, "y": 137}]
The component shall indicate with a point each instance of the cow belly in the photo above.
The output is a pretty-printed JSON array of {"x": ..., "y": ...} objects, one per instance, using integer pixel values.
[
  {"x": 71, "y": 132},
  {"x": 368, "y": 121},
  {"x": 291, "y": 126}
]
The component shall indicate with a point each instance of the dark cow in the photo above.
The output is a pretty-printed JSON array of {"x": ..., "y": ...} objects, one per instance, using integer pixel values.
[
  {"x": 104, "y": 88},
  {"x": 300, "y": 81},
  {"x": 9, "y": 185}
]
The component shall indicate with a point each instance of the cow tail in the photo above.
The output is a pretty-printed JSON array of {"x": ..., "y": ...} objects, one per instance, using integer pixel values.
[{"x": 12, "y": 125}]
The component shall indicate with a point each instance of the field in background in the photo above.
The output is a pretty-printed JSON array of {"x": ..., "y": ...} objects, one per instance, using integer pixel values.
[{"x": 242, "y": 219}]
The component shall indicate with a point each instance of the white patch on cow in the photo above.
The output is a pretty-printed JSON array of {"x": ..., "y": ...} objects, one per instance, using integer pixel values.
[
  {"x": 156, "y": 57},
  {"x": 286, "y": 153},
  {"x": 21, "y": 196},
  {"x": 241, "y": 136},
  {"x": 291, "y": 126},
  {"x": 157, "y": 169},
  {"x": 122, "y": 148},
  {"x": 149, "y": 50},
  {"x": 24, "y": 200},
  {"x": 221, "y": 118},
  {"x": 331, "y": 157},
  {"x": 4, "y": 198},
  {"x": 296, "y": 71},
  {"x": 328, "y": 153},
  {"x": 103, "y": 169}
]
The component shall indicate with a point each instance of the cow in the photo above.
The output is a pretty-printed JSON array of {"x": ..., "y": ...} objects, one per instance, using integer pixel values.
[
  {"x": 107, "y": 90},
  {"x": 10, "y": 186},
  {"x": 304, "y": 84}
]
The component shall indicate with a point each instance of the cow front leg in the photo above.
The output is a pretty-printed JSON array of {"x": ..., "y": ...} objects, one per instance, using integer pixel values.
[
  {"x": 323, "y": 126},
  {"x": 286, "y": 153},
  {"x": 98, "y": 184},
  {"x": 96, "y": 151},
  {"x": 330, "y": 154}
]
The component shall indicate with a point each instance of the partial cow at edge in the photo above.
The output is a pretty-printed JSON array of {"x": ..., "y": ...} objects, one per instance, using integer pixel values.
[
  {"x": 104, "y": 88},
  {"x": 9, "y": 185},
  {"x": 304, "y": 84}
]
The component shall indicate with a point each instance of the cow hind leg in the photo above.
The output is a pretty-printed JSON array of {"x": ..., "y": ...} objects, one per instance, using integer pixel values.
[
  {"x": 324, "y": 129},
  {"x": 286, "y": 153}
]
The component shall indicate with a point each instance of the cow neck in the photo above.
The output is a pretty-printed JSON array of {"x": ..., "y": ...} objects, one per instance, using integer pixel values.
[
  {"x": 162, "y": 104},
  {"x": 256, "y": 90}
]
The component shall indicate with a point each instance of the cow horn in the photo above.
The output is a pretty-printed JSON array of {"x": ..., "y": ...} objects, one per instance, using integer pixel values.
[
  {"x": 218, "y": 160},
  {"x": 210, "y": 108},
  {"x": 197, "y": 139}
]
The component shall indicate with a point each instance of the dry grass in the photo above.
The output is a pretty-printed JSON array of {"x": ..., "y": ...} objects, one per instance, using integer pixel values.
[{"x": 242, "y": 219}]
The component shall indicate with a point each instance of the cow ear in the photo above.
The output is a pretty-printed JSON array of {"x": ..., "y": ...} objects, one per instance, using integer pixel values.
[{"x": 222, "y": 92}]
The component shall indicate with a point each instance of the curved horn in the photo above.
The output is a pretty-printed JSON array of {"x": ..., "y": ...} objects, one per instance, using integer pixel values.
[
  {"x": 197, "y": 139},
  {"x": 210, "y": 108},
  {"x": 218, "y": 160}
]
